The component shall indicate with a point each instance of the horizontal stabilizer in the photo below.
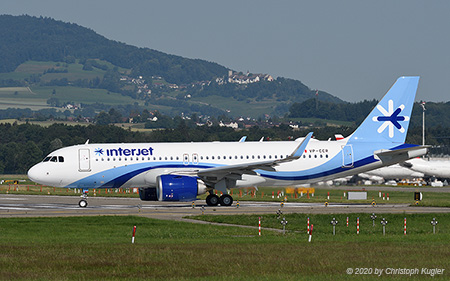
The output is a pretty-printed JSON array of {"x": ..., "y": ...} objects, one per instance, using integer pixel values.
[{"x": 403, "y": 153}]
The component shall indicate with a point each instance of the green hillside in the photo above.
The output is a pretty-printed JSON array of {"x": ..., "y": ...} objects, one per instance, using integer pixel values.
[{"x": 42, "y": 54}]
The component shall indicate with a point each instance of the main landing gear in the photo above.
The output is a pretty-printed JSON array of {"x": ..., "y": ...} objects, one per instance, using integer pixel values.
[
  {"x": 83, "y": 202},
  {"x": 214, "y": 200}
]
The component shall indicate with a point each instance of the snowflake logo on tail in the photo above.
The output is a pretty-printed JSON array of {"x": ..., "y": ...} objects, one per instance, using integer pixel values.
[{"x": 390, "y": 118}]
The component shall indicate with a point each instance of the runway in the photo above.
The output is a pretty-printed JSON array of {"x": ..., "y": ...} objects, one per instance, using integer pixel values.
[{"x": 57, "y": 206}]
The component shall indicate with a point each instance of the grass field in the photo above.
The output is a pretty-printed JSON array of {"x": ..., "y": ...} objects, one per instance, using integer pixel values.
[
  {"x": 36, "y": 97},
  {"x": 99, "y": 248},
  {"x": 39, "y": 95},
  {"x": 254, "y": 108}
]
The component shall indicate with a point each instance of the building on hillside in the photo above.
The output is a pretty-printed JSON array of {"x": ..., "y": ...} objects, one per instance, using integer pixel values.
[{"x": 238, "y": 78}]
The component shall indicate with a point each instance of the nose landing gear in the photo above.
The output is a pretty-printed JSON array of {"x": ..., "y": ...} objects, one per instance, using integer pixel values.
[{"x": 83, "y": 202}]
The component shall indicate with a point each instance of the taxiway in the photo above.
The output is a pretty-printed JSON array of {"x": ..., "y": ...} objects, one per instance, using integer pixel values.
[{"x": 53, "y": 206}]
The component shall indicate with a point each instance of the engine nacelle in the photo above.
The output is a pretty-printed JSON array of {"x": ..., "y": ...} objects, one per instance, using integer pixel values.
[{"x": 173, "y": 188}]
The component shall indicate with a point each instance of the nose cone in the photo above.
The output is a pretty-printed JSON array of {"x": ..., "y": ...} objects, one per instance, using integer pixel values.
[{"x": 36, "y": 173}]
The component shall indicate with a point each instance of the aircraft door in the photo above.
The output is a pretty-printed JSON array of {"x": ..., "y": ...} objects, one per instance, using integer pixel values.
[
  {"x": 84, "y": 160},
  {"x": 347, "y": 156}
]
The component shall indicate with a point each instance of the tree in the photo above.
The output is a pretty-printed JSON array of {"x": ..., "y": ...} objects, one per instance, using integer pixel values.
[{"x": 102, "y": 118}]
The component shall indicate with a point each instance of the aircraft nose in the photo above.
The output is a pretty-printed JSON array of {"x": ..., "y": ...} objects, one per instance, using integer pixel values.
[{"x": 35, "y": 173}]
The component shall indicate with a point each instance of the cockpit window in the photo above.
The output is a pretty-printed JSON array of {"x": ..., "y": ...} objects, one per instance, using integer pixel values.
[{"x": 59, "y": 159}]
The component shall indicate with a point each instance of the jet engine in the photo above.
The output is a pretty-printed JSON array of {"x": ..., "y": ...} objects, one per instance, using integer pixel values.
[{"x": 173, "y": 188}]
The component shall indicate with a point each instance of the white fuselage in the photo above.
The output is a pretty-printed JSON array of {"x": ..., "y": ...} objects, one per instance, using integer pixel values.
[
  {"x": 431, "y": 168},
  {"x": 139, "y": 164}
]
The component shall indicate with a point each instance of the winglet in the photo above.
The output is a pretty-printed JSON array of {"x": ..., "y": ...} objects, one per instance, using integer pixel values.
[
  {"x": 243, "y": 139},
  {"x": 301, "y": 147}
]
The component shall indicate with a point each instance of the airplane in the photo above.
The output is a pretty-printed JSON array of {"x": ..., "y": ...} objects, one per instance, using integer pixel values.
[
  {"x": 393, "y": 172},
  {"x": 182, "y": 171},
  {"x": 432, "y": 168}
]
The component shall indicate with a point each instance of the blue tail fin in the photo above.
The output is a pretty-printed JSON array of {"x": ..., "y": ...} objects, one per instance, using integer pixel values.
[{"x": 389, "y": 120}]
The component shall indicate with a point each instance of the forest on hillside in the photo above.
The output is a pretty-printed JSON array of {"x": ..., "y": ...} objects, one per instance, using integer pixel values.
[{"x": 24, "y": 38}]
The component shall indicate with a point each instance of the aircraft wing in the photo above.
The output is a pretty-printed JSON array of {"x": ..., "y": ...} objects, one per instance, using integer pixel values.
[
  {"x": 218, "y": 173},
  {"x": 234, "y": 172}
]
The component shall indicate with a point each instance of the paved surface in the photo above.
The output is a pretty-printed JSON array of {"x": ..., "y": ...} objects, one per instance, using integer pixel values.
[
  {"x": 51, "y": 206},
  {"x": 389, "y": 188}
]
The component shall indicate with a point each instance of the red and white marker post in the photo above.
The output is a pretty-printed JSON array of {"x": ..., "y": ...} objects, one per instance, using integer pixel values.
[
  {"x": 307, "y": 226},
  {"x": 134, "y": 233},
  {"x": 347, "y": 221},
  {"x": 310, "y": 232},
  {"x": 357, "y": 225},
  {"x": 259, "y": 226},
  {"x": 387, "y": 198},
  {"x": 404, "y": 227}
]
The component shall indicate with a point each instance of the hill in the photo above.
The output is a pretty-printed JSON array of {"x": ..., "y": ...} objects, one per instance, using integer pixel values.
[
  {"x": 43, "y": 53},
  {"x": 25, "y": 38}
]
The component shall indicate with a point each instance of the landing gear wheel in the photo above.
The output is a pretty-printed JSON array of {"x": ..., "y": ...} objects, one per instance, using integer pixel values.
[
  {"x": 212, "y": 200},
  {"x": 83, "y": 203},
  {"x": 226, "y": 200}
]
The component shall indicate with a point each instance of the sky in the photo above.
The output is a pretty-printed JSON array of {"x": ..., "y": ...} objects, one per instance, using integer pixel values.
[{"x": 354, "y": 49}]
